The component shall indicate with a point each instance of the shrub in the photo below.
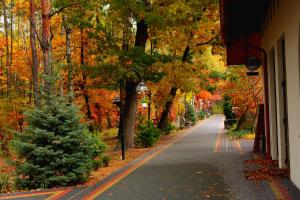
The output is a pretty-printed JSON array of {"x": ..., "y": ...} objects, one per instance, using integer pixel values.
[
  {"x": 105, "y": 161},
  {"x": 190, "y": 114},
  {"x": 218, "y": 108},
  {"x": 55, "y": 149},
  {"x": 5, "y": 139},
  {"x": 234, "y": 132},
  {"x": 169, "y": 128},
  {"x": 97, "y": 164},
  {"x": 147, "y": 137},
  {"x": 227, "y": 107},
  {"x": 4, "y": 183},
  {"x": 201, "y": 114}
]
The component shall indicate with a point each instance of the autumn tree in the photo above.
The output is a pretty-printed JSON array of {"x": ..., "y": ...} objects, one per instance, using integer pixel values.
[
  {"x": 192, "y": 37},
  {"x": 34, "y": 53}
]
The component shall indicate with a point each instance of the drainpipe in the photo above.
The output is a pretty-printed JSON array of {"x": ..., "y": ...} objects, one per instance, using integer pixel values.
[{"x": 266, "y": 98}]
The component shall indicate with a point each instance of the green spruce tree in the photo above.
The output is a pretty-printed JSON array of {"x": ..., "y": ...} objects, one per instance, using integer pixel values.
[
  {"x": 190, "y": 114},
  {"x": 56, "y": 149},
  {"x": 227, "y": 107}
]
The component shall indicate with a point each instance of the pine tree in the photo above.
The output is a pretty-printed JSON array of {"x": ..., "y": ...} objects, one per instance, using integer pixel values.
[
  {"x": 227, "y": 107},
  {"x": 190, "y": 114},
  {"x": 56, "y": 149}
]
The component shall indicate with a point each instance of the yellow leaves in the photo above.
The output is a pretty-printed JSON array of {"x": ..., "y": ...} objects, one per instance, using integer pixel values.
[{"x": 21, "y": 6}]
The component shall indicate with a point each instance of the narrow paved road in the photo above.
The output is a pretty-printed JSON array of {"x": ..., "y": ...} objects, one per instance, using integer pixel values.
[{"x": 203, "y": 164}]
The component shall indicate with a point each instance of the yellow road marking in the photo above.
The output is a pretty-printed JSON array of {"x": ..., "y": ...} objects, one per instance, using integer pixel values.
[
  {"x": 58, "y": 194},
  {"x": 28, "y": 195},
  {"x": 218, "y": 144}
]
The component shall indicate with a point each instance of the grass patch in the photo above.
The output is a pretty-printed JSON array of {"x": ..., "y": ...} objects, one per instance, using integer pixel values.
[{"x": 236, "y": 133}]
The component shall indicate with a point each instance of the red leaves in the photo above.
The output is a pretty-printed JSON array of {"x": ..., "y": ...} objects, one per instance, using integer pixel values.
[
  {"x": 265, "y": 169},
  {"x": 203, "y": 94}
]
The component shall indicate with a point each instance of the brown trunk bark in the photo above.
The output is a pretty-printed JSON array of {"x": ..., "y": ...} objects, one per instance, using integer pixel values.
[
  {"x": 130, "y": 108},
  {"x": 130, "y": 90},
  {"x": 34, "y": 55},
  {"x": 68, "y": 31},
  {"x": 7, "y": 63},
  {"x": 163, "y": 122},
  {"x": 11, "y": 32},
  {"x": 46, "y": 43},
  {"x": 83, "y": 85}
]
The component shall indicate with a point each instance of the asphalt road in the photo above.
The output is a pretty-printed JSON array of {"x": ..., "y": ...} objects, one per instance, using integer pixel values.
[{"x": 202, "y": 165}]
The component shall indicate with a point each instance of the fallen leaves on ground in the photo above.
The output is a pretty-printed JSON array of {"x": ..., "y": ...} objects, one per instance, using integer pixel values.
[{"x": 265, "y": 169}]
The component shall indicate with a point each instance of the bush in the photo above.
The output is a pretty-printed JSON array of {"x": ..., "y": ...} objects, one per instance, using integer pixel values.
[
  {"x": 97, "y": 164},
  {"x": 5, "y": 139},
  {"x": 218, "y": 108},
  {"x": 55, "y": 149},
  {"x": 4, "y": 183},
  {"x": 190, "y": 114},
  {"x": 147, "y": 137},
  {"x": 169, "y": 129},
  {"x": 201, "y": 114},
  {"x": 227, "y": 108},
  {"x": 234, "y": 132},
  {"x": 105, "y": 161}
]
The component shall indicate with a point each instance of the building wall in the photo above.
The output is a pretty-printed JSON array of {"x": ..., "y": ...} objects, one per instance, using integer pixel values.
[{"x": 285, "y": 23}]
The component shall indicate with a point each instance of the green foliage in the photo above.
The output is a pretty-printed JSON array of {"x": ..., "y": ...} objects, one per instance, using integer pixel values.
[
  {"x": 201, "y": 114},
  {"x": 108, "y": 134},
  {"x": 190, "y": 114},
  {"x": 234, "y": 132},
  {"x": 218, "y": 108},
  {"x": 4, "y": 183},
  {"x": 55, "y": 150},
  {"x": 105, "y": 160},
  {"x": 146, "y": 137},
  {"x": 5, "y": 139},
  {"x": 227, "y": 108},
  {"x": 217, "y": 75},
  {"x": 168, "y": 129},
  {"x": 97, "y": 164}
]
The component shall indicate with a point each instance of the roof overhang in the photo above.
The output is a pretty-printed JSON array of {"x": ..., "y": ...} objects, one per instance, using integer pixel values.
[{"x": 241, "y": 22}]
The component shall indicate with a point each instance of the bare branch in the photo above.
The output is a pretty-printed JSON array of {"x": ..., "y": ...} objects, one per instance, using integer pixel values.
[
  {"x": 36, "y": 33},
  {"x": 209, "y": 41},
  {"x": 68, "y": 6},
  {"x": 52, "y": 36}
]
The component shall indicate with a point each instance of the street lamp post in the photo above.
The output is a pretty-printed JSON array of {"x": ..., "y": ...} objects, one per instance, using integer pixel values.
[{"x": 149, "y": 108}]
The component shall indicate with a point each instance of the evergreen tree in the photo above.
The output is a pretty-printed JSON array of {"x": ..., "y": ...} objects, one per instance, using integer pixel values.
[
  {"x": 190, "y": 114},
  {"x": 227, "y": 107},
  {"x": 56, "y": 149}
]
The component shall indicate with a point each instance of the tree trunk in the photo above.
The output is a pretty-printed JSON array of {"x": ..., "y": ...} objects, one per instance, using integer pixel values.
[
  {"x": 46, "y": 43},
  {"x": 7, "y": 63},
  {"x": 163, "y": 122},
  {"x": 35, "y": 61},
  {"x": 141, "y": 34},
  {"x": 68, "y": 31},
  {"x": 82, "y": 87},
  {"x": 11, "y": 49},
  {"x": 130, "y": 89},
  {"x": 130, "y": 108}
]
